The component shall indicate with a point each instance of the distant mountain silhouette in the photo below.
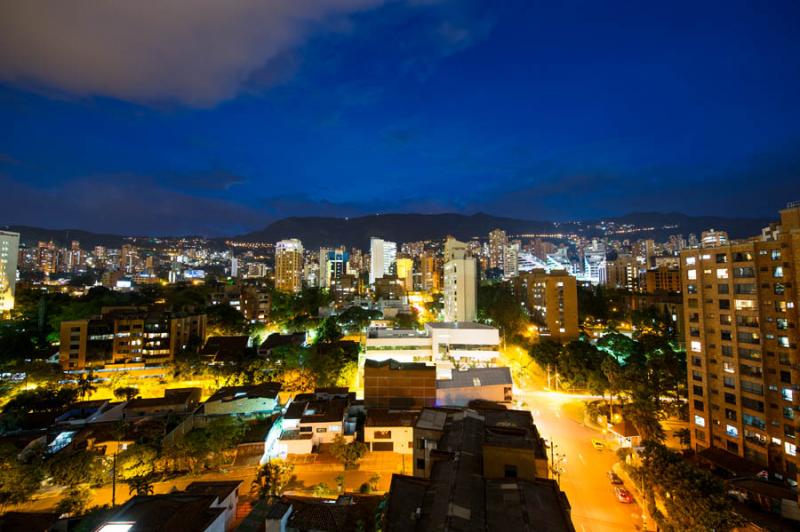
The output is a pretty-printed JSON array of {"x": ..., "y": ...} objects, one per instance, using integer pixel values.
[{"x": 356, "y": 232}]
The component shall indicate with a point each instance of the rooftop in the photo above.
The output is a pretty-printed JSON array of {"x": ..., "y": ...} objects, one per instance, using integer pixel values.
[
  {"x": 177, "y": 512},
  {"x": 383, "y": 417},
  {"x": 268, "y": 390},
  {"x": 476, "y": 377},
  {"x": 458, "y": 325}
]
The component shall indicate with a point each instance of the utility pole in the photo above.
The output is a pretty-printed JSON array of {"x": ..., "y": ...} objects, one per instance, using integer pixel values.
[{"x": 114, "y": 479}]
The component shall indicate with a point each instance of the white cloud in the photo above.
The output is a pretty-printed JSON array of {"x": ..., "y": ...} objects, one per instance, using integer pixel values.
[{"x": 196, "y": 52}]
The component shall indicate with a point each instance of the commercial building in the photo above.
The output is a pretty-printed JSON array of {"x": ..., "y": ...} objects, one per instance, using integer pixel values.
[
  {"x": 122, "y": 335},
  {"x": 9, "y": 252},
  {"x": 383, "y": 254},
  {"x": 405, "y": 272},
  {"x": 552, "y": 298},
  {"x": 460, "y": 283},
  {"x": 443, "y": 344},
  {"x": 332, "y": 265},
  {"x": 741, "y": 316},
  {"x": 399, "y": 385},
  {"x": 289, "y": 265}
]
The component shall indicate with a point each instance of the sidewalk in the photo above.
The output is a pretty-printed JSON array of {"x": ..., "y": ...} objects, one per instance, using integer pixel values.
[{"x": 638, "y": 496}]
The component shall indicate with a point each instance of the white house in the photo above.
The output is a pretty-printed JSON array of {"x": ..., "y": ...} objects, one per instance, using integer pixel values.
[
  {"x": 390, "y": 430},
  {"x": 243, "y": 400}
]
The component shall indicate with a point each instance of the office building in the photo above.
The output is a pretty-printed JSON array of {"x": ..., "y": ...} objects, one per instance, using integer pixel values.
[
  {"x": 124, "y": 335},
  {"x": 399, "y": 385},
  {"x": 741, "y": 315},
  {"x": 511, "y": 261},
  {"x": 429, "y": 272},
  {"x": 497, "y": 248},
  {"x": 383, "y": 254},
  {"x": 332, "y": 265},
  {"x": 713, "y": 238},
  {"x": 460, "y": 284},
  {"x": 289, "y": 265},
  {"x": 9, "y": 252}
]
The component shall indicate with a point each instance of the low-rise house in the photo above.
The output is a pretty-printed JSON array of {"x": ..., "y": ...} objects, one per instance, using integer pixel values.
[
  {"x": 175, "y": 401},
  {"x": 243, "y": 400},
  {"x": 626, "y": 434},
  {"x": 276, "y": 340},
  {"x": 314, "y": 419},
  {"x": 225, "y": 493},
  {"x": 475, "y": 384},
  {"x": 390, "y": 430},
  {"x": 224, "y": 350},
  {"x": 84, "y": 412},
  {"x": 184, "y": 511},
  {"x": 299, "y": 514}
]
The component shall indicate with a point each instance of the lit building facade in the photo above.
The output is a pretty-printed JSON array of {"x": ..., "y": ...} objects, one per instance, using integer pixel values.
[
  {"x": 497, "y": 248},
  {"x": 553, "y": 297},
  {"x": 289, "y": 265},
  {"x": 741, "y": 317},
  {"x": 383, "y": 255},
  {"x": 460, "y": 285},
  {"x": 9, "y": 252}
]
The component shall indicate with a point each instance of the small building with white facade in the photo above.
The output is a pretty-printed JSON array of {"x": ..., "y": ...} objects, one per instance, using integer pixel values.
[{"x": 474, "y": 384}]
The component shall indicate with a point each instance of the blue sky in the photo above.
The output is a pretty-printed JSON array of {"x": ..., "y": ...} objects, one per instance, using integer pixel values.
[{"x": 219, "y": 120}]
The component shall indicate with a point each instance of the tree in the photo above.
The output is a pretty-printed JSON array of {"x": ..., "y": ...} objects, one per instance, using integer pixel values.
[
  {"x": 407, "y": 320},
  {"x": 349, "y": 454},
  {"x": 273, "y": 478},
  {"x": 498, "y": 306},
  {"x": 19, "y": 480},
  {"x": 328, "y": 331},
  {"x": 74, "y": 501},
  {"x": 546, "y": 352},
  {"x": 137, "y": 461},
  {"x": 77, "y": 467},
  {"x": 85, "y": 385},
  {"x": 322, "y": 490},
  {"x": 693, "y": 499},
  {"x": 141, "y": 485},
  {"x": 126, "y": 392}
]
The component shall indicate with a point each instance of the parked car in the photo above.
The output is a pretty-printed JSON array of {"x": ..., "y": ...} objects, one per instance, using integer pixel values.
[
  {"x": 623, "y": 495},
  {"x": 614, "y": 478},
  {"x": 597, "y": 444}
]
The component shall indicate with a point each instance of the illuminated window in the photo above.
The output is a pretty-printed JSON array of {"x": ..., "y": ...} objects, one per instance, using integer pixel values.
[
  {"x": 700, "y": 421},
  {"x": 791, "y": 449},
  {"x": 690, "y": 261},
  {"x": 696, "y": 346},
  {"x": 731, "y": 431},
  {"x": 722, "y": 273},
  {"x": 691, "y": 274}
]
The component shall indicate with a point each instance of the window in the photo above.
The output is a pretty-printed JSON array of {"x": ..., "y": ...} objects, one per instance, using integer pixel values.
[
  {"x": 779, "y": 289},
  {"x": 731, "y": 431},
  {"x": 777, "y": 272},
  {"x": 690, "y": 261},
  {"x": 744, "y": 304},
  {"x": 753, "y": 421},
  {"x": 728, "y": 367},
  {"x": 730, "y": 398},
  {"x": 382, "y": 435},
  {"x": 744, "y": 288},
  {"x": 787, "y": 394},
  {"x": 421, "y": 444},
  {"x": 729, "y": 382},
  {"x": 753, "y": 404},
  {"x": 721, "y": 258},
  {"x": 420, "y": 463},
  {"x": 699, "y": 405},
  {"x": 783, "y": 341},
  {"x": 752, "y": 387},
  {"x": 321, "y": 430},
  {"x": 782, "y": 324},
  {"x": 722, "y": 273},
  {"x": 697, "y": 390},
  {"x": 788, "y": 412},
  {"x": 743, "y": 271},
  {"x": 691, "y": 289},
  {"x": 700, "y": 421},
  {"x": 696, "y": 375},
  {"x": 691, "y": 275},
  {"x": 724, "y": 304},
  {"x": 696, "y": 346},
  {"x": 510, "y": 471},
  {"x": 730, "y": 414},
  {"x": 776, "y": 254}
]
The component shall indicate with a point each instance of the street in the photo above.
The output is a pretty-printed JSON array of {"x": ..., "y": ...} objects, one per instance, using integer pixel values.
[{"x": 594, "y": 505}]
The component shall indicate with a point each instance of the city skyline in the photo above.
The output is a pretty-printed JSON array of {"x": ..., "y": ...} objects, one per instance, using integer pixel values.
[{"x": 537, "y": 112}]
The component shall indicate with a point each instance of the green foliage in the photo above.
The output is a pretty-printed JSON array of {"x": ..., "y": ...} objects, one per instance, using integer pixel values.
[
  {"x": 407, "y": 320},
  {"x": 328, "y": 331},
  {"x": 137, "y": 461},
  {"x": 45, "y": 399},
  {"x": 140, "y": 485},
  {"x": 349, "y": 454},
  {"x": 694, "y": 500},
  {"x": 85, "y": 385},
  {"x": 71, "y": 469},
  {"x": 206, "y": 447},
  {"x": 498, "y": 306},
  {"x": 126, "y": 392},
  {"x": 224, "y": 320},
  {"x": 356, "y": 319},
  {"x": 18, "y": 480},
  {"x": 273, "y": 478},
  {"x": 322, "y": 490},
  {"x": 74, "y": 501}
]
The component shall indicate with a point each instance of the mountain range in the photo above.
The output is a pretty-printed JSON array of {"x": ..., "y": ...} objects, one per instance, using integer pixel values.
[{"x": 355, "y": 232}]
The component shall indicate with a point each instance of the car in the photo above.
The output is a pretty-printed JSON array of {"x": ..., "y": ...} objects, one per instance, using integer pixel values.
[
  {"x": 597, "y": 444},
  {"x": 614, "y": 479},
  {"x": 623, "y": 495}
]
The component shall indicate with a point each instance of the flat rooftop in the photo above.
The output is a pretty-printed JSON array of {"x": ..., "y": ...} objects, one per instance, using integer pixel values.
[{"x": 458, "y": 325}]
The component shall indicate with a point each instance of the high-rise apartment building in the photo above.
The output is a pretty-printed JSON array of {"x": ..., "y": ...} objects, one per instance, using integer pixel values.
[
  {"x": 497, "y": 248},
  {"x": 383, "y": 255},
  {"x": 623, "y": 272},
  {"x": 429, "y": 272},
  {"x": 741, "y": 314},
  {"x": 289, "y": 265},
  {"x": 553, "y": 297},
  {"x": 9, "y": 252},
  {"x": 460, "y": 284},
  {"x": 332, "y": 265},
  {"x": 405, "y": 272}
]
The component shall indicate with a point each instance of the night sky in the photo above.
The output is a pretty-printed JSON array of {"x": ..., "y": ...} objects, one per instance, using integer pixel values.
[{"x": 215, "y": 118}]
